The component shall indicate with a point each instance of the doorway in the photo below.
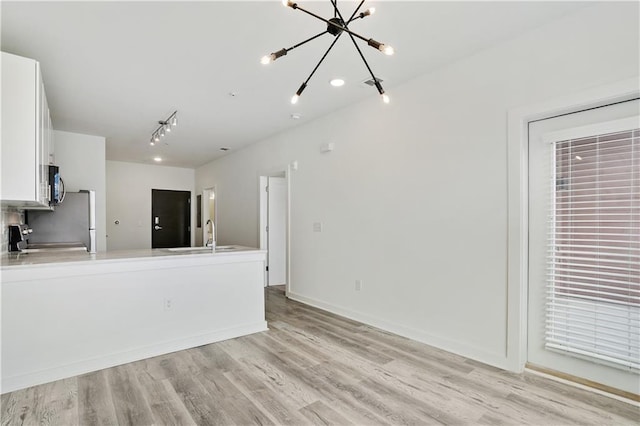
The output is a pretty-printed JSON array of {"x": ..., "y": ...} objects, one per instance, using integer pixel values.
[
  {"x": 274, "y": 226},
  {"x": 209, "y": 216},
  {"x": 170, "y": 218},
  {"x": 584, "y": 252}
]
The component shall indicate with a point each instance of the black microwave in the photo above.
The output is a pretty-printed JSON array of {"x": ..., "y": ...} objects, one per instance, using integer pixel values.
[{"x": 56, "y": 185}]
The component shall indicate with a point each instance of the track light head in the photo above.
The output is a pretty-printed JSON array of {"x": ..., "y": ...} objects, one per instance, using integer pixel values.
[{"x": 289, "y": 3}]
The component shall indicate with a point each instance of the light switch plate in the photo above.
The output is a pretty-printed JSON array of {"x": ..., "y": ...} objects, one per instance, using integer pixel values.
[{"x": 317, "y": 227}]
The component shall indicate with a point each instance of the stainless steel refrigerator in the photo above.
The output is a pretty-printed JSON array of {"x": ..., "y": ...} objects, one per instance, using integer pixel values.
[{"x": 72, "y": 222}]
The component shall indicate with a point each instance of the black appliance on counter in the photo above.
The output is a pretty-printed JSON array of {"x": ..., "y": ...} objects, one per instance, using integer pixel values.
[{"x": 18, "y": 235}]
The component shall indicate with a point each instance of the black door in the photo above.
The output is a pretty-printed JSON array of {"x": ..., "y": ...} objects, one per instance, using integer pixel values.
[{"x": 170, "y": 218}]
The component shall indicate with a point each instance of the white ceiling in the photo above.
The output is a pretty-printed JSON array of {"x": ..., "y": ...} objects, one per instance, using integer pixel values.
[{"x": 115, "y": 68}]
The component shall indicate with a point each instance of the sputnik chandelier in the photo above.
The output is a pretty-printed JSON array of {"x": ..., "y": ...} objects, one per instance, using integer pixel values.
[
  {"x": 336, "y": 26},
  {"x": 164, "y": 128}
]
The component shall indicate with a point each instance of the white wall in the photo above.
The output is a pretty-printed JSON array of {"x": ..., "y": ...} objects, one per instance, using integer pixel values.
[
  {"x": 82, "y": 166},
  {"x": 129, "y": 188},
  {"x": 413, "y": 200}
]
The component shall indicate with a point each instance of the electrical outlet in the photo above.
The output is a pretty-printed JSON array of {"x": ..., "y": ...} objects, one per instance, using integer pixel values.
[
  {"x": 168, "y": 303},
  {"x": 358, "y": 285}
]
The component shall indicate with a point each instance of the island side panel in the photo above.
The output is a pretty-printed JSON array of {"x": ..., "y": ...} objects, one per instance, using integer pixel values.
[{"x": 64, "y": 326}]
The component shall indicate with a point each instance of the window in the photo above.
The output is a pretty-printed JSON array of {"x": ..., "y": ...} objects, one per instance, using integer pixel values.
[{"x": 593, "y": 304}]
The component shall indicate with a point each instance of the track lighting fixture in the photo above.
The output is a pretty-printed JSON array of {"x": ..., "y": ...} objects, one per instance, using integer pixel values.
[
  {"x": 164, "y": 127},
  {"x": 336, "y": 26}
]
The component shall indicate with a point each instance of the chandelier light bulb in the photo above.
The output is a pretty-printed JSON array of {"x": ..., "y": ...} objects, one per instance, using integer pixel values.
[
  {"x": 368, "y": 12},
  {"x": 287, "y": 3},
  {"x": 294, "y": 99},
  {"x": 385, "y": 98},
  {"x": 156, "y": 138},
  {"x": 152, "y": 143},
  {"x": 162, "y": 132},
  {"x": 167, "y": 127},
  {"x": 384, "y": 48},
  {"x": 174, "y": 121},
  {"x": 266, "y": 59}
]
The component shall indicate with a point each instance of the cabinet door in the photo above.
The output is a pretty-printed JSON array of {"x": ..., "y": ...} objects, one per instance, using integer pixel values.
[
  {"x": 20, "y": 174},
  {"x": 44, "y": 148}
]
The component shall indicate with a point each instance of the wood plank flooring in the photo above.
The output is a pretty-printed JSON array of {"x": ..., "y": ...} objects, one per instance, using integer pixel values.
[{"x": 310, "y": 368}]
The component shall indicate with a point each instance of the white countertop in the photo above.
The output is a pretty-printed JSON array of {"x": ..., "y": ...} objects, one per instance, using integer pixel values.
[{"x": 10, "y": 260}]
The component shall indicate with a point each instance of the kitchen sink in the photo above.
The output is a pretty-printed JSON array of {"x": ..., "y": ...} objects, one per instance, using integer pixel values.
[
  {"x": 202, "y": 249},
  {"x": 226, "y": 248},
  {"x": 190, "y": 249},
  {"x": 53, "y": 247}
]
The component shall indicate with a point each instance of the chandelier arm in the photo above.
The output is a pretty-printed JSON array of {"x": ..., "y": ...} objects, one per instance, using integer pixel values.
[
  {"x": 375, "y": 79},
  {"x": 335, "y": 6},
  {"x": 322, "y": 59},
  {"x": 354, "y": 13},
  {"x": 341, "y": 27},
  {"x": 306, "y": 41}
]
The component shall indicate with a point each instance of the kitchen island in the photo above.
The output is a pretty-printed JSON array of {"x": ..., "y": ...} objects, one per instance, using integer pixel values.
[{"x": 65, "y": 314}]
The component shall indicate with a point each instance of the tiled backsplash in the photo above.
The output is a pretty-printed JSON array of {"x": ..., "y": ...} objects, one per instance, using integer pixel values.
[{"x": 9, "y": 216}]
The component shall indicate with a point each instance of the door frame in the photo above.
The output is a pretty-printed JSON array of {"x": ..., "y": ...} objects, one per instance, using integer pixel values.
[
  {"x": 518, "y": 199},
  {"x": 262, "y": 218}
]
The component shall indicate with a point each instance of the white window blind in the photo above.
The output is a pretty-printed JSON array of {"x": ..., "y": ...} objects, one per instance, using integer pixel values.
[{"x": 593, "y": 300}]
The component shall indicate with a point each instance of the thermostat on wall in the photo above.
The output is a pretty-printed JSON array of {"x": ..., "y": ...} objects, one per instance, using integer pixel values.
[{"x": 327, "y": 147}]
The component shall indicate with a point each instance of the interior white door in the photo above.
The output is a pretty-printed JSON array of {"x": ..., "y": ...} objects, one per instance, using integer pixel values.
[
  {"x": 277, "y": 230},
  {"x": 548, "y": 233}
]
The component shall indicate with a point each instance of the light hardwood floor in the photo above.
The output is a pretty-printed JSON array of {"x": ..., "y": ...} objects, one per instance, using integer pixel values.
[{"x": 311, "y": 368}]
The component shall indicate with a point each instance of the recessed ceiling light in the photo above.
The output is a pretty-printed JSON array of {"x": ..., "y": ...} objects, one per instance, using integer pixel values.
[
  {"x": 337, "y": 82},
  {"x": 157, "y": 159}
]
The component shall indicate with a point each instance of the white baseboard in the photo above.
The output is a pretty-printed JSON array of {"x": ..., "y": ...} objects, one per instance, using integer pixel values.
[
  {"x": 453, "y": 346},
  {"x": 10, "y": 384}
]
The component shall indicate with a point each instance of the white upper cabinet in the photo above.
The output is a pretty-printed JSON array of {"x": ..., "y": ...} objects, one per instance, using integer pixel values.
[{"x": 26, "y": 134}]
